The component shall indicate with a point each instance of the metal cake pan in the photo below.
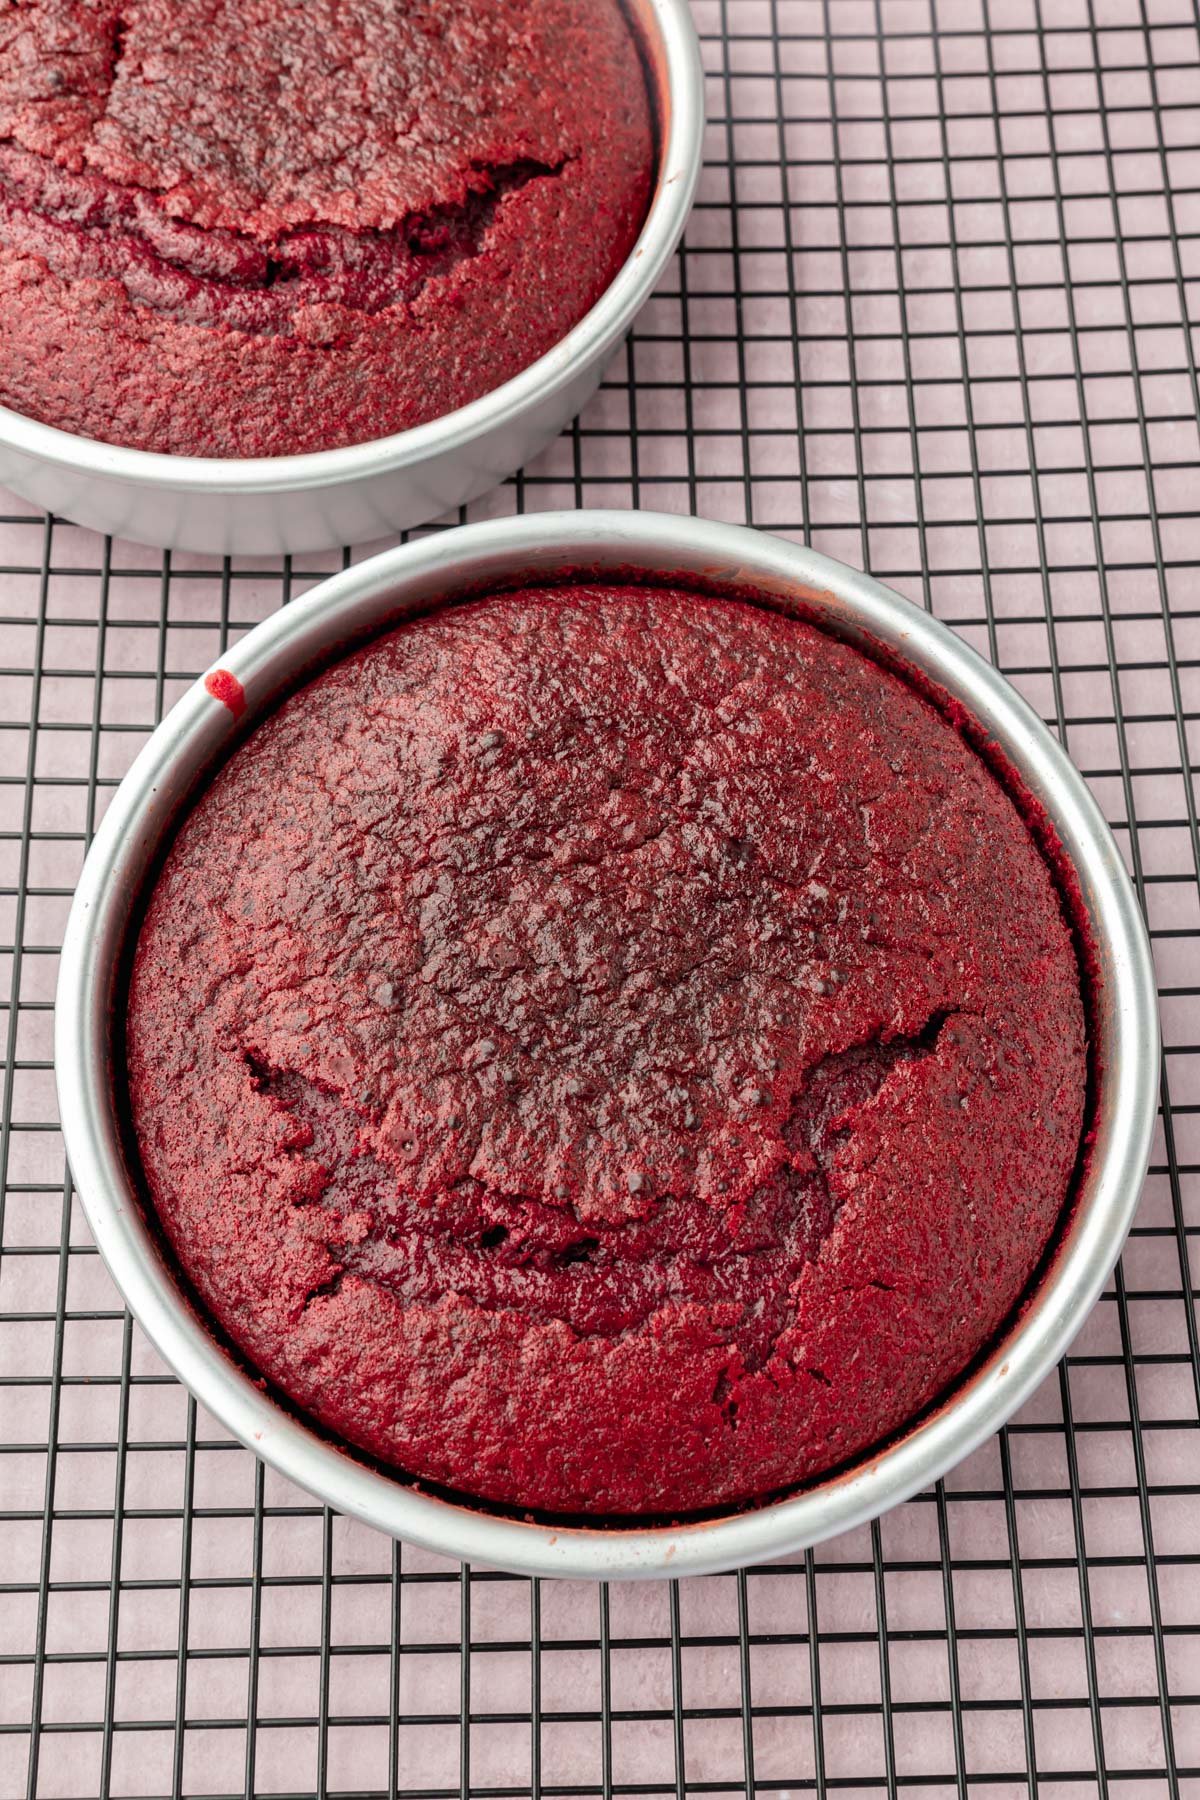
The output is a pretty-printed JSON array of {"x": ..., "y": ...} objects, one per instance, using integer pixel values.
[
  {"x": 356, "y": 604},
  {"x": 275, "y": 505}
]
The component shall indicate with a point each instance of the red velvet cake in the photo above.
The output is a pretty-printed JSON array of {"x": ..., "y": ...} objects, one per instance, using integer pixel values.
[
  {"x": 233, "y": 229},
  {"x": 609, "y": 1051}
]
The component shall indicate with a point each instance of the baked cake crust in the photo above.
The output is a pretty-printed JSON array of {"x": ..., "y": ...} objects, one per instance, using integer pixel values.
[
  {"x": 251, "y": 229},
  {"x": 607, "y": 1050}
]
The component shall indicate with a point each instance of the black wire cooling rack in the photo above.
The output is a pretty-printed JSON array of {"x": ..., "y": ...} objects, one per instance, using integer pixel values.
[{"x": 934, "y": 315}]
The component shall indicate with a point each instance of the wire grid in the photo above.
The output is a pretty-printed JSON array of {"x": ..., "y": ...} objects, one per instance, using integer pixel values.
[{"x": 932, "y": 316}]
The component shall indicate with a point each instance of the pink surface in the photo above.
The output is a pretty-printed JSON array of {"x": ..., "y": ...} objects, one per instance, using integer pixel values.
[{"x": 1040, "y": 492}]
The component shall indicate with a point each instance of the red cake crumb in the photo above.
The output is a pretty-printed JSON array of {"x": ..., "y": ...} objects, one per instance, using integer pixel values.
[
  {"x": 227, "y": 689},
  {"x": 248, "y": 230},
  {"x": 608, "y": 1051}
]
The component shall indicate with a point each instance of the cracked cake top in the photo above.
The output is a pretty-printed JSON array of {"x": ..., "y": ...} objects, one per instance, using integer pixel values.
[
  {"x": 607, "y": 1050},
  {"x": 231, "y": 229}
]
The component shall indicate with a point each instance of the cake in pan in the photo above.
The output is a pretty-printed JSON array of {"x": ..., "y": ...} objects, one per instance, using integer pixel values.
[
  {"x": 609, "y": 1051},
  {"x": 256, "y": 227}
]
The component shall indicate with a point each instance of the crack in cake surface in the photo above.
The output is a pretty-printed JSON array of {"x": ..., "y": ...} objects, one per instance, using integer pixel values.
[
  {"x": 536, "y": 1254},
  {"x": 88, "y": 228}
]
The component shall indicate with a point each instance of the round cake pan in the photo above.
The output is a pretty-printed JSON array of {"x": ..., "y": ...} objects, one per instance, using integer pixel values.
[
  {"x": 274, "y": 505},
  {"x": 354, "y": 605}
]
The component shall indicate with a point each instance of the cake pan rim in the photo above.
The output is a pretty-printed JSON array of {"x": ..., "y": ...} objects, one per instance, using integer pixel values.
[{"x": 533, "y": 547}]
